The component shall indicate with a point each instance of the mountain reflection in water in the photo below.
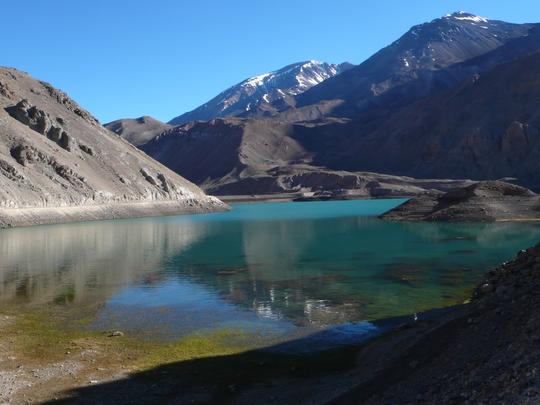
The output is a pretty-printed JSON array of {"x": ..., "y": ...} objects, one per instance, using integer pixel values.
[{"x": 262, "y": 267}]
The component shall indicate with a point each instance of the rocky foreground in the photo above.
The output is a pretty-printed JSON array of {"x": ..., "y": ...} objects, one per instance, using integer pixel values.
[
  {"x": 484, "y": 201},
  {"x": 486, "y": 353},
  {"x": 58, "y": 164}
]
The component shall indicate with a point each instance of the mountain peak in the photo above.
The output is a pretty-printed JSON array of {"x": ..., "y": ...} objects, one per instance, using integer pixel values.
[
  {"x": 261, "y": 94},
  {"x": 464, "y": 16},
  {"x": 427, "y": 47}
]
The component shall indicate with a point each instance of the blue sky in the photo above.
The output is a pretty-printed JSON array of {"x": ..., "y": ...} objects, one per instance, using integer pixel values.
[{"x": 127, "y": 58}]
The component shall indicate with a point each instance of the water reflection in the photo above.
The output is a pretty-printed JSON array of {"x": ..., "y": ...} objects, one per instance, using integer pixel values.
[
  {"x": 257, "y": 267},
  {"x": 338, "y": 270},
  {"x": 86, "y": 263}
]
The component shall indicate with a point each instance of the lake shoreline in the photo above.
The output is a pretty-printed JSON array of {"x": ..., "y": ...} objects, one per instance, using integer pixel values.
[
  {"x": 299, "y": 197},
  {"x": 47, "y": 363},
  {"x": 463, "y": 354},
  {"x": 23, "y": 217}
]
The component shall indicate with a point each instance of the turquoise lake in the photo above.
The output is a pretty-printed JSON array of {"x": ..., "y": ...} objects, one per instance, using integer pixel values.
[{"x": 282, "y": 270}]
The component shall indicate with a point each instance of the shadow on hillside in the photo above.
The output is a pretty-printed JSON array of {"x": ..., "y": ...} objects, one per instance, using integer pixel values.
[
  {"x": 221, "y": 379},
  {"x": 213, "y": 379}
]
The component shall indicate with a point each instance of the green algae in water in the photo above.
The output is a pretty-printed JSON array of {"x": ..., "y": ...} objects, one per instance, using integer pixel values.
[{"x": 277, "y": 270}]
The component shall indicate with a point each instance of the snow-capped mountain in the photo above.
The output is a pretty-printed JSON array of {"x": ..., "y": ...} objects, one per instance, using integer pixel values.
[
  {"x": 451, "y": 39},
  {"x": 260, "y": 95},
  {"x": 424, "y": 49},
  {"x": 454, "y": 97}
]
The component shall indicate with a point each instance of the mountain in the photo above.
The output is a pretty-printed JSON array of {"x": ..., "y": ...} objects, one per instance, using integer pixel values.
[
  {"x": 487, "y": 127},
  {"x": 423, "y": 50},
  {"x": 234, "y": 156},
  {"x": 137, "y": 131},
  {"x": 467, "y": 112},
  {"x": 265, "y": 94},
  {"x": 58, "y": 164}
]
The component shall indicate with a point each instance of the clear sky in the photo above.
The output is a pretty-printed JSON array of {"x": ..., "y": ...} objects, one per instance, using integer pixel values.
[{"x": 127, "y": 58}]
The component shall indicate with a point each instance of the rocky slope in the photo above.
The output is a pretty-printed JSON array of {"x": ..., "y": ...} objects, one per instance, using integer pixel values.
[
  {"x": 265, "y": 94},
  {"x": 239, "y": 157},
  {"x": 482, "y": 201},
  {"x": 226, "y": 149},
  {"x": 137, "y": 131},
  {"x": 57, "y": 163},
  {"x": 485, "y": 128}
]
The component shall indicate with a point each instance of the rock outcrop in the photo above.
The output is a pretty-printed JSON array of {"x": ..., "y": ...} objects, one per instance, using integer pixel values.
[
  {"x": 484, "y": 201},
  {"x": 57, "y": 164},
  {"x": 41, "y": 122}
]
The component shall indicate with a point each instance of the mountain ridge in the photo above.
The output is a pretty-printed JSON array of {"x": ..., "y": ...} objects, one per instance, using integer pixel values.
[
  {"x": 422, "y": 49},
  {"x": 264, "y": 94}
]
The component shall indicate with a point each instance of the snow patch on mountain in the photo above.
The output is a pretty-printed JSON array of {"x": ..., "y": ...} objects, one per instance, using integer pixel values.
[
  {"x": 261, "y": 91},
  {"x": 464, "y": 16},
  {"x": 256, "y": 80}
]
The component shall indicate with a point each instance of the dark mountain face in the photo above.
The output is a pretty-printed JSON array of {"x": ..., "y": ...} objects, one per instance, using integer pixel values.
[
  {"x": 263, "y": 95},
  {"x": 423, "y": 50},
  {"x": 209, "y": 151},
  {"x": 258, "y": 156},
  {"x": 202, "y": 150},
  {"x": 488, "y": 127}
]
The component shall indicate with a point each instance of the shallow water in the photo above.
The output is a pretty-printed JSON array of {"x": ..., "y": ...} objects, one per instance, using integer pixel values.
[{"x": 277, "y": 269}]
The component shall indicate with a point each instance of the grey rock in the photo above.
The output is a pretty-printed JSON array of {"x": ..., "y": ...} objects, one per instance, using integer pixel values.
[
  {"x": 484, "y": 201},
  {"x": 69, "y": 168}
]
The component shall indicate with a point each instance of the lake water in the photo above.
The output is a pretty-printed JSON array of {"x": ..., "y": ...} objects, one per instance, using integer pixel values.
[{"x": 281, "y": 270}]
